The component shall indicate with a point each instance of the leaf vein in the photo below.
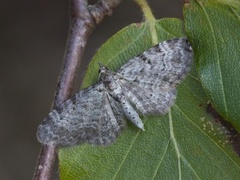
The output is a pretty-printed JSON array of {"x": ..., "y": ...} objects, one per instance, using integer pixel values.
[
  {"x": 125, "y": 157},
  {"x": 175, "y": 144},
  {"x": 160, "y": 162}
]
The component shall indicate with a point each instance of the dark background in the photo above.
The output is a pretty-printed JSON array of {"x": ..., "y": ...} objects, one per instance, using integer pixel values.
[{"x": 32, "y": 42}]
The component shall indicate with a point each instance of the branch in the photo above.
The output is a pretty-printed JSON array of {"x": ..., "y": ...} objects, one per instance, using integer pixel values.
[{"x": 82, "y": 22}]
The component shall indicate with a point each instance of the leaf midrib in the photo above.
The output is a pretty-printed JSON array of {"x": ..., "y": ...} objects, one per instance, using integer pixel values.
[{"x": 217, "y": 57}]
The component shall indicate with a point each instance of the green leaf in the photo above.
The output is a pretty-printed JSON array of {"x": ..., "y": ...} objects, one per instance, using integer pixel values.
[
  {"x": 184, "y": 144},
  {"x": 213, "y": 28}
]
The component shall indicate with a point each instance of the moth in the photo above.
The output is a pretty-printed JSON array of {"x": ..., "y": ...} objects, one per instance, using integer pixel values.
[{"x": 144, "y": 85}]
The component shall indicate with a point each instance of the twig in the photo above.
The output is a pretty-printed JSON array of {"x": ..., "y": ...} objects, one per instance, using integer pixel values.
[
  {"x": 82, "y": 23},
  {"x": 81, "y": 26}
]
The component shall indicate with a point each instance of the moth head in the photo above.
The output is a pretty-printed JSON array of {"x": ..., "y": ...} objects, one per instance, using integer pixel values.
[{"x": 103, "y": 72}]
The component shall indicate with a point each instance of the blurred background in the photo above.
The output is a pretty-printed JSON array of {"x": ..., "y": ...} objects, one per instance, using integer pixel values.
[{"x": 33, "y": 36}]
